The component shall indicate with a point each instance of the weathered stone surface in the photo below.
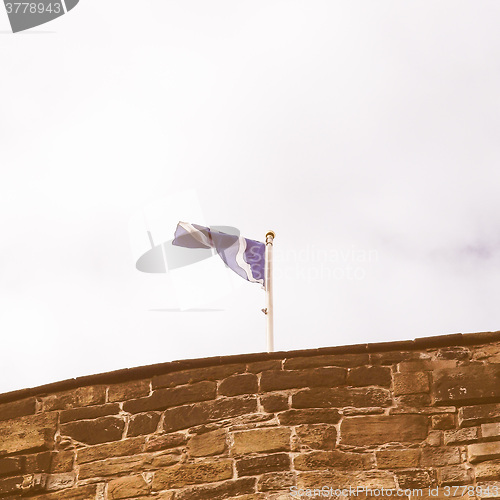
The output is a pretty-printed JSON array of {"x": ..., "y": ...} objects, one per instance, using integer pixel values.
[
  {"x": 62, "y": 461},
  {"x": 317, "y": 436},
  {"x": 228, "y": 489},
  {"x": 210, "y": 443},
  {"x": 274, "y": 402},
  {"x": 411, "y": 383},
  {"x": 414, "y": 479},
  {"x": 459, "y": 436},
  {"x": 444, "y": 421},
  {"x": 261, "y": 440},
  {"x": 345, "y": 360},
  {"x": 344, "y": 479},
  {"x": 182, "y": 475},
  {"x": 113, "y": 466},
  {"x": 33, "y": 432},
  {"x": 324, "y": 460},
  {"x": 467, "y": 384},
  {"x": 414, "y": 400},
  {"x": 129, "y": 390},
  {"x": 434, "y": 438},
  {"x": 439, "y": 456},
  {"x": 309, "y": 416},
  {"x": 487, "y": 470},
  {"x": 380, "y": 429},
  {"x": 165, "y": 441},
  {"x": 177, "y": 396},
  {"x": 11, "y": 486},
  {"x": 254, "y": 466},
  {"x": 143, "y": 423},
  {"x": 398, "y": 459},
  {"x": 454, "y": 475},
  {"x": 89, "y": 492},
  {"x": 210, "y": 411},
  {"x": 420, "y": 365},
  {"x": 262, "y": 366},
  {"x": 60, "y": 481},
  {"x": 11, "y": 466},
  {"x": 391, "y": 357},
  {"x": 81, "y": 396},
  {"x": 246, "y": 383},
  {"x": 166, "y": 459},
  {"x": 473, "y": 415},
  {"x": 316, "y": 377},
  {"x": 195, "y": 375},
  {"x": 479, "y": 452},
  {"x": 127, "y": 487},
  {"x": 454, "y": 352},
  {"x": 89, "y": 412},
  {"x": 276, "y": 481},
  {"x": 339, "y": 397},
  {"x": 490, "y": 431},
  {"x": 109, "y": 450},
  {"x": 369, "y": 375},
  {"x": 100, "y": 430},
  {"x": 37, "y": 462},
  {"x": 17, "y": 409}
]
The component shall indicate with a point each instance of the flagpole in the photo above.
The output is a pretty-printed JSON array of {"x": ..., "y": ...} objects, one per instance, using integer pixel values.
[{"x": 269, "y": 290}]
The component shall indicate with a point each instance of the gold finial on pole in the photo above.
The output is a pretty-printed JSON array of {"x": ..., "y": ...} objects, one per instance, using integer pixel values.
[{"x": 269, "y": 290}]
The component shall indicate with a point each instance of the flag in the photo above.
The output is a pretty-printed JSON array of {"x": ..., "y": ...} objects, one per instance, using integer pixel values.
[{"x": 243, "y": 256}]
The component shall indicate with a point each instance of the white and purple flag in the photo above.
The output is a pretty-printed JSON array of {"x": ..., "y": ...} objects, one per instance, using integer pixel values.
[{"x": 245, "y": 257}]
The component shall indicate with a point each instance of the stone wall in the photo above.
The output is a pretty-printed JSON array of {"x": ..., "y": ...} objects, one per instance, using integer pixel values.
[{"x": 402, "y": 415}]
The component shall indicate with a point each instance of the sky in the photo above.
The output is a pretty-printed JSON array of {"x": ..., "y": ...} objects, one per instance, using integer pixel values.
[{"x": 365, "y": 134}]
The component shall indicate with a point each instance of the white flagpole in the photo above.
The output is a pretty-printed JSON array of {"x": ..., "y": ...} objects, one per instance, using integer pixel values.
[{"x": 269, "y": 290}]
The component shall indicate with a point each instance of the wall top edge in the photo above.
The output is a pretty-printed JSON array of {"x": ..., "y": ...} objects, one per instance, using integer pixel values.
[{"x": 130, "y": 374}]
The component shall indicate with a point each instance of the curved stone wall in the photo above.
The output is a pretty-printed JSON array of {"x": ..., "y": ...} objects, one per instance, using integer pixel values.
[{"x": 419, "y": 415}]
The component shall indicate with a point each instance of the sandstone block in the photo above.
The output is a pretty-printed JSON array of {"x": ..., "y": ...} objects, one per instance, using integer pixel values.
[
  {"x": 228, "y": 489},
  {"x": 274, "y": 402},
  {"x": 110, "y": 450},
  {"x": 127, "y": 487},
  {"x": 262, "y": 366},
  {"x": 345, "y": 360},
  {"x": 100, "y": 430},
  {"x": 381, "y": 429},
  {"x": 473, "y": 415},
  {"x": 261, "y": 440},
  {"x": 398, "y": 459},
  {"x": 38, "y": 462},
  {"x": 11, "y": 486},
  {"x": 182, "y": 475},
  {"x": 443, "y": 422},
  {"x": 187, "y": 416},
  {"x": 467, "y": 384},
  {"x": 60, "y": 481},
  {"x": 411, "y": 383},
  {"x": 454, "y": 352},
  {"x": 197, "y": 374},
  {"x": 16, "y": 409},
  {"x": 324, "y": 460},
  {"x": 113, "y": 466},
  {"x": 210, "y": 443},
  {"x": 254, "y": 466},
  {"x": 491, "y": 431},
  {"x": 62, "y": 461},
  {"x": 143, "y": 423},
  {"x": 276, "y": 481},
  {"x": 81, "y": 396},
  {"x": 487, "y": 470},
  {"x": 317, "y": 436},
  {"x": 369, "y": 375},
  {"x": 33, "y": 432},
  {"x": 414, "y": 479},
  {"x": 177, "y": 396},
  {"x": 89, "y": 492},
  {"x": 479, "y": 452},
  {"x": 165, "y": 441},
  {"x": 11, "y": 466},
  {"x": 129, "y": 390},
  {"x": 339, "y": 397},
  {"x": 460, "y": 436},
  {"x": 421, "y": 400},
  {"x": 454, "y": 475},
  {"x": 89, "y": 412},
  {"x": 246, "y": 383},
  {"x": 439, "y": 456},
  {"x": 391, "y": 357},
  {"x": 419, "y": 365},
  {"x": 344, "y": 479},
  {"x": 289, "y": 379},
  {"x": 309, "y": 416}
]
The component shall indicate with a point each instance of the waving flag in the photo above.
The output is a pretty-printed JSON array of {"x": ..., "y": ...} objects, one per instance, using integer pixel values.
[{"x": 245, "y": 257}]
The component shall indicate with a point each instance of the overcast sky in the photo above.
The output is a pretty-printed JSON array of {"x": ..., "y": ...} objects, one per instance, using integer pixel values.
[{"x": 365, "y": 134}]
